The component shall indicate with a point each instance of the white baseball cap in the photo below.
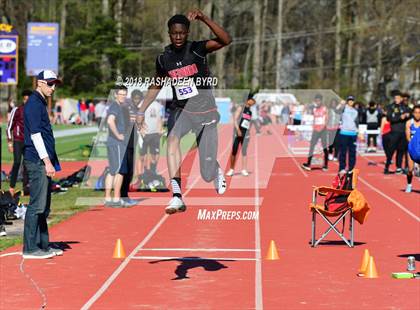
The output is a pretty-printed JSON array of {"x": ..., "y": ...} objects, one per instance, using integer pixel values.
[{"x": 49, "y": 76}]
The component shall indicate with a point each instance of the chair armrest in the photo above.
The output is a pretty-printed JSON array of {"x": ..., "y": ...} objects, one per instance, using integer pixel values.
[{"x": 322, "y": 190}]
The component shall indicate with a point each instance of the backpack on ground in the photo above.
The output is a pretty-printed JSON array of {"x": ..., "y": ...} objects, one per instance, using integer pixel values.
[{"x": 338, "y": 202}]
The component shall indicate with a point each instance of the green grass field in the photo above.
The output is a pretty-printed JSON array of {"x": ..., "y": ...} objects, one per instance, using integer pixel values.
[
  {"x": 68, "y": 148},
  {"x": 66, "y": 126},
  {"x": 62, "y": 207}
]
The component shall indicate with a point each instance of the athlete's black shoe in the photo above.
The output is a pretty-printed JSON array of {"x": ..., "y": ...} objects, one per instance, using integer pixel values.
[{"x": 306, "y": 167}]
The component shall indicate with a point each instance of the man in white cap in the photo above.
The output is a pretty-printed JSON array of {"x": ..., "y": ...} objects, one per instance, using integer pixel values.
[{"x": 41, "y": 162}]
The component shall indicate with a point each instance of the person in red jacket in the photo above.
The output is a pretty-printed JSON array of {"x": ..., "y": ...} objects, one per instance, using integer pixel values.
[
  {"x": 15, "y": 144},
  {"x": 319, "y": 132}
]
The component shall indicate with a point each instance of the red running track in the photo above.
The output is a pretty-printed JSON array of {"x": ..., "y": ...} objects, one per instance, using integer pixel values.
[{"x": 229, "y": 273}]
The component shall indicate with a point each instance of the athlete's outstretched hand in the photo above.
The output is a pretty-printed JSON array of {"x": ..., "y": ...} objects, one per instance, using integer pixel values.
[{"x": 195, "y": 14}]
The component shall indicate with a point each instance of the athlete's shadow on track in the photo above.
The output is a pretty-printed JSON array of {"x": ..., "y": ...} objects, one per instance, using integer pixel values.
[
  {"x": 416, "y": 256},
  {"x": 337, "y": 242},
  {"x": 191, "y": 262}
]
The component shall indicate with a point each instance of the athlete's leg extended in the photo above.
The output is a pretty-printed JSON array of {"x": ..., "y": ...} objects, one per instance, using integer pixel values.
[
  {"x": 324, "y": 142},
  {"x": 207, "y": 141},
  {"x": 244, "y": 153},
  {"x": 237, "y": 140},
  {"x": 409, "y": 174},
  {"x": 174, "y": 156},
  {"x": 314, "y": 140},
  {"x": 178, "y": 125}
]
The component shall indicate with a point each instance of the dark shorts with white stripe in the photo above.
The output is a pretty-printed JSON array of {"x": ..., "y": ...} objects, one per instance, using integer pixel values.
[{"x": 117, "y": 159}]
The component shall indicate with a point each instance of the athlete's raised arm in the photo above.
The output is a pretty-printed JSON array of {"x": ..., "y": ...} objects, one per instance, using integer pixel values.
[{"x": 222, "y": 37}]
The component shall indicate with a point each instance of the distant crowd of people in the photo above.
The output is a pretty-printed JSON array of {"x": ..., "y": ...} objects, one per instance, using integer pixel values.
[{"x": 340, "y": 125}]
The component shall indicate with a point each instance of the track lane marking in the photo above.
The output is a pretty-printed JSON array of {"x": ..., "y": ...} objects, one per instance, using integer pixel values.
[
  {"x": 199, "y": 250},
  {"x": 378, "y": 191},
  {"x": 258, "y": 266},
  {"x": 193, "y": 258},
  {"x": 124, "y": 264},
  {"x": 381, "y": 193},
  {"x": 288, "y": 152}
]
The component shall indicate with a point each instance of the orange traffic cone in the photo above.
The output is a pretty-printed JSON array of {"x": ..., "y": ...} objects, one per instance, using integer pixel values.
[
  {"x": 371, "y": 271},
  {"x": 119, "y": 250},
  {"x": 365, "y": 261},
  {"x": 272, "y": 251}
]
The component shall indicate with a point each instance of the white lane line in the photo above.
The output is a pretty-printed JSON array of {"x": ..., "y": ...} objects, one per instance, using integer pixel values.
[
  {"x": 193, "y": 258},
  {"x": 10, "y": 254},
  {"x": 124, "y": 264},
  {"x": 288, "y": 152},
  {"x": 195, "y": 202},
  {"x": 390, "y": 199},
  {"x": 258, "y": 268},
  {"x": 378, "y": 191},
  {"x": 199, "y": 250}
]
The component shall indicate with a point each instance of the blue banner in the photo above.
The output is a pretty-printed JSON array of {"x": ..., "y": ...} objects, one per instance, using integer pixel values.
[{"x": 42, "y": 49}]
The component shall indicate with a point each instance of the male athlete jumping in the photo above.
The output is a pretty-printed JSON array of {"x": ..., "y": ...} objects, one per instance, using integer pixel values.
[{"x": 193, "y": 107}]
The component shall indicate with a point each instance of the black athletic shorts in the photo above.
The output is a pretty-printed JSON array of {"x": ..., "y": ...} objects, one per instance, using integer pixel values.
[{"x": 151, "y": 144}]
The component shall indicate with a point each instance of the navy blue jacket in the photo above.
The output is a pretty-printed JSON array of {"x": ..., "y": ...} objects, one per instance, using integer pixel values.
[{"x": 36, "y": 120}]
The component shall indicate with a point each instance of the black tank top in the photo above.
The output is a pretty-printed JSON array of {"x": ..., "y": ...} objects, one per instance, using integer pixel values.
[
  {"x": 188, "y": 62},
  {"x": 245, "y": 121}
]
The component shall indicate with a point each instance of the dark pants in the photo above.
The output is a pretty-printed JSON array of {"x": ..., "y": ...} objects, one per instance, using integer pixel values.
[
  {"x": 316, "y": 135},
  {"x": 17, "y": 160},
  {"x": 333, "y": 142},
  {"x": 387, "y": 148},
  {"x": 127, "y": 177},
  {"x": 398, "y": 143},
  {"x": 35, "y": 233},
  {"x": 347, "y": 146}
]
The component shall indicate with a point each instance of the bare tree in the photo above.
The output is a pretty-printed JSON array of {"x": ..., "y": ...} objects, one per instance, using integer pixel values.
[
  {"x": 337, "y": 60},
  {"x": 118, "y": 19},
  {"x": 279, "y": 43},
  {"x": 104, "y": 59},
  {"x": 221, "y": 54},
  {"x": 263, "y": 43},
  {"x": 358, "y": 46},
  {"x": 63, "y": 20},
  {"x": 256, "y": 60}
]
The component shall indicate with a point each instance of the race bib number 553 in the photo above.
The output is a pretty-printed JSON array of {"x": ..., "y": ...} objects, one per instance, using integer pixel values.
[{"x": 186, "y": 91}]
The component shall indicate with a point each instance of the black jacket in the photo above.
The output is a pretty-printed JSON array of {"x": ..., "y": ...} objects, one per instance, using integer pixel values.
[{"x": 394, "y": 112}]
